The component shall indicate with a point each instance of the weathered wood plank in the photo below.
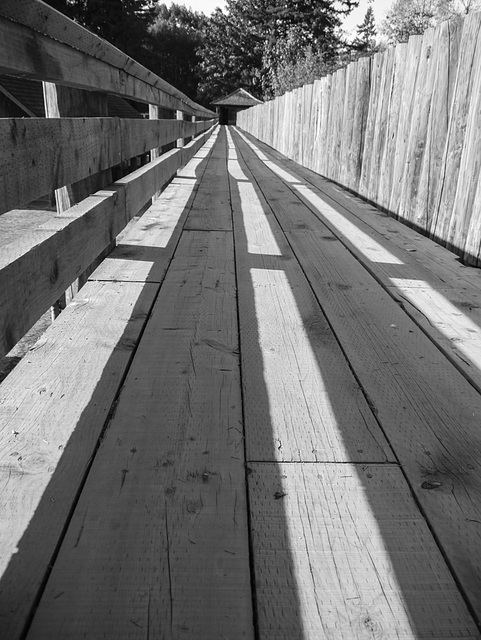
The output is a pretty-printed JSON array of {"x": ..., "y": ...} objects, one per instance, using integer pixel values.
[
  {"x": 53, "y": 407},
  {"x": 38, "y": 155},
  {"x": 388, "y": 160},
  {"x": 445, "y": 60},
  {"x": 44, "y": 19},
  {"x": 298, "y": 390},
  {"x": 172, "y": 459},
  {"x": 31, "y": 54},
  {"x": 441, "y": 294},
  {"x": 445, "y": 225},
  {"x": 211, "y": 209},
  {"x": 428, "y": 410},
  {"x": 61, "y": 102},
  {"x": 144, "y": 253},
  {"x": 418, "y": 132},
  {"x": 431, "y": 262},
  {"x": 35, "y": 271},
  {"x": 342, "y": 551}
]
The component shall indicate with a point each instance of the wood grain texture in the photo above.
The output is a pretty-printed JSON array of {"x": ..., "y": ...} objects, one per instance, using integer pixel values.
[
  {"x": 342, "y": 551},
  {"x": 211, "y": 209},
  {"x": 428, "y": 410},
  {"x": 144, "y": 253},
  {"x": 41, "y": 18},
  {"x": 53, "y": 407},
  {"x": 172, "y": 459},
  {"x": 297, "y": 386},
  {"x": 445, "y": 226},
  {"x": 28, "y": 53},
  {"x": 412, "y": 119},
  {"x": 440, "y": 293},
  {"x": 38, "y": 155},
  {"x": 41, "y": 266}
]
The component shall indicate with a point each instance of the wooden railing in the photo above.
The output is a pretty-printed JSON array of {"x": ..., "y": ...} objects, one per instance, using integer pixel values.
[
  {"x": 401, "y": 129},
  {"x": 76, "y": 152}
]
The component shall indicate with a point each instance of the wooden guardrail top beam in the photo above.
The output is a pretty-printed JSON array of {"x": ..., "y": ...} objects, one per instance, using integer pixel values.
[{"x": 135, "y": 81}]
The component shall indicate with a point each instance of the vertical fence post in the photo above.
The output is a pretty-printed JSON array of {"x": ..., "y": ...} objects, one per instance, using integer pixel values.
[
  {"x": 180, "y": 141},
  {"x": 62, "y": 102},
  {"x": 156, "y": 152}
]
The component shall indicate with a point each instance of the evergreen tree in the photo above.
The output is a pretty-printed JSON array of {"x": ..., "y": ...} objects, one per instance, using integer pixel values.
[
  {"x": 176, "y": 34},
  {"x": 253, "y": 40},
  {"x": 365, "y": 40}
]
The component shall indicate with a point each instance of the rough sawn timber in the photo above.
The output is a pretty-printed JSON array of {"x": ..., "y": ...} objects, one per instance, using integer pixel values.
[{"x": 427, "y": 409}]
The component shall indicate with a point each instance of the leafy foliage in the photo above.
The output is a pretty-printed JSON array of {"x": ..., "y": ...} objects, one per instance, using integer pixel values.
[
  {"x": 265, "y": 46},
  {"x": 270, "y": 45},
  {"x": 413, "y": 17}
]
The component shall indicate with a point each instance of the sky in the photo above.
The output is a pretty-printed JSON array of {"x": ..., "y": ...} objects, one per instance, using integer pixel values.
[{"x": 379, "y": 6}]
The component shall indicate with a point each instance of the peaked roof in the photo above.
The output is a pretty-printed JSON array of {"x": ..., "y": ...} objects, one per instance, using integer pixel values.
[{"x": 238, "y": 98}]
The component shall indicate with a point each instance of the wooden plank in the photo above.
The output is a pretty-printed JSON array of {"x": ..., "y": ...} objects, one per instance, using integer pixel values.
[
  {"x": 294, "y": 372},
  {"x": 370, "y": 131},
  {"x": 342, "y": 551},
  {"x": 44, "y": 19},
  {"x": 451, "y": 317},
  {"x": 445, "y": 60},
  {"x": 158, "y": 543},
  {"x": 349, "y": 122},
  {"x": 53, "y": 407},
  {"x": 380, "y": 125},
  {"x": 35, "y": 271},
  {"x": 215, "y": 189},
  {"x": 38, "y": 155},
  {"x": 67, "y": 102},
  {"x": 30, "y": 54},
  {"x": 388, "y": 161},
  {"x": 445, "y": 225},
  {"x": 465, "y": 217},
  {"x": 418, "y": 132},
  {"x": 428, "y": 410},
  {"x": 441, "y": 294},
  {"x": 144, "y": 253},
  {"x": 404, "y": 121},
  {"x": 438, "y": 266}
]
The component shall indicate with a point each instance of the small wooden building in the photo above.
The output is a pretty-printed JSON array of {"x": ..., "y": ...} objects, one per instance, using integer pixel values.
[{"x": 229, "y": 106}]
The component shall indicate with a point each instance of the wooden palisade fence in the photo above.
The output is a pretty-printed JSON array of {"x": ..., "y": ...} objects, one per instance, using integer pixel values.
[
  {"x": 38, "y": 155},
  {"x": 401, "y": 129}
]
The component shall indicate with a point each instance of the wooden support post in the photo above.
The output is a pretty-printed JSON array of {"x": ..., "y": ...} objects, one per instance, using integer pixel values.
[
  {"x": 154, "y": 153},
  {"x": 194, "y": 119},
  {"x": 60, "y": 102},
  {"x": 180, "y": 116}
]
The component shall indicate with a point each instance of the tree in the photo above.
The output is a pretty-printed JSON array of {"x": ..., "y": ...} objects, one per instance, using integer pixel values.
[
  {"x": 231, "y": 54},
  {"x": 413, "y": 17},
  {"x": 124, "y": 23},
  {"x": 254, "y": 42},
  {"x": 365, "y": 40},
  {"x": 176, "y": 35}
]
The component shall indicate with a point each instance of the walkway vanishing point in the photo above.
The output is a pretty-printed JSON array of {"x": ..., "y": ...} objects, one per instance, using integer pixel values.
[{"x": 272, "y": 428}]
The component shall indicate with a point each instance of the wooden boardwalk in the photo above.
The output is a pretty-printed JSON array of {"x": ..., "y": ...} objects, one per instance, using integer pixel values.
[{"x": 260, "y": 419}]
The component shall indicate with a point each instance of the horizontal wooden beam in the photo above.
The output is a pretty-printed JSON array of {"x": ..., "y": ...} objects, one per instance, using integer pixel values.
[
  {"x": 28, "y": 53},
  {"x": 38, "y": 155},
  {"x": 37, "y": 270},
  {"x": 42, "y": 18}
]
